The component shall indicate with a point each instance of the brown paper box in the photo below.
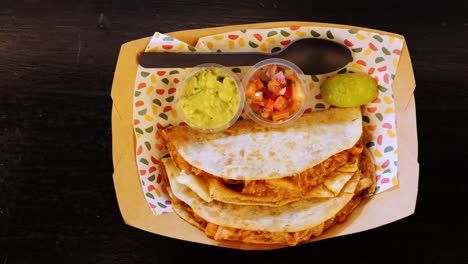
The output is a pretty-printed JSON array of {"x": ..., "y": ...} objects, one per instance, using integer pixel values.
[{"x": 382, "y": 209}]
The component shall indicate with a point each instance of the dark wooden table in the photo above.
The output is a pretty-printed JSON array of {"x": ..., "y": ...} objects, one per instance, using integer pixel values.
[{"x": 57, "y": 58}]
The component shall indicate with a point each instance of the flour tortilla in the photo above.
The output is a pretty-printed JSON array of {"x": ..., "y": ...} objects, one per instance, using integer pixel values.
[
  {"x": 293, "y": 217},
  {"x": 209, "y": 189},
  {"x": 247, "y": 151}
]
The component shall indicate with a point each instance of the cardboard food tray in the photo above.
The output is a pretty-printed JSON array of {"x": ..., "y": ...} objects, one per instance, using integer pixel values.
[{"x": 382, "y": 209}]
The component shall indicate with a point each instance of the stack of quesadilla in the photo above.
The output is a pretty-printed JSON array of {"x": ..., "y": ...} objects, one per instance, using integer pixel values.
[{"x": 264, "y": 185}]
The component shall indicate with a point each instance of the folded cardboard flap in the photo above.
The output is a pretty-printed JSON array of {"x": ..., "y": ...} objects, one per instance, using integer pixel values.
[
  {"x": 404, "y": 83},
  {"x": 398, "y": 202}
]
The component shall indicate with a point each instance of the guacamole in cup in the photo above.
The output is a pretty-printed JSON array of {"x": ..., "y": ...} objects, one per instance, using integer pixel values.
[{"x": 210, "y": 98}]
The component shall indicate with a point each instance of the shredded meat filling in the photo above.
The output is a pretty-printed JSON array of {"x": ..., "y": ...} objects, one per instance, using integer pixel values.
[
  {"x": 366, "y": 184},
  {"x": 221, "y": 233},
  {"x": 287, "y": 238},
  {"x": 300, "y": 183},
  {"x": 309, "y": 178}
]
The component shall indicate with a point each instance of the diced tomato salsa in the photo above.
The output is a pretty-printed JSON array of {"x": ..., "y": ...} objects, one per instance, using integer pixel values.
[{"x": 274, "y": 92}]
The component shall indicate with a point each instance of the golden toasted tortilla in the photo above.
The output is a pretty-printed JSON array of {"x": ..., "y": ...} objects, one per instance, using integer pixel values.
[
  {"x": 221, "y": 233},
  {"x": 270, "y": 186},
  {"x": 326, "y": 128},
  {"x": 274, "y": 192},
  {"x": 293, "y": 217},
  {"x": 247, "y": 151},
  {"x": 210, "y": 188},
  {"x": 367, "y": 183},
  {"x": 220, "y": 228}
]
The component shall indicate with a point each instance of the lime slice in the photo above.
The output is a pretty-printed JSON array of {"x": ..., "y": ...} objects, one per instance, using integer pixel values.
[{"x": 349, "y": 89}]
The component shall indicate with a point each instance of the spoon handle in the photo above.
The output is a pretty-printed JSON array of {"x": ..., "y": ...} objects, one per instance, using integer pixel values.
[{"x": 185, "y": 60}]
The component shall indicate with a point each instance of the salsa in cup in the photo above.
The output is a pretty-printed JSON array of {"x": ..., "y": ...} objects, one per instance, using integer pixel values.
[{"x": 275, "y": 92}]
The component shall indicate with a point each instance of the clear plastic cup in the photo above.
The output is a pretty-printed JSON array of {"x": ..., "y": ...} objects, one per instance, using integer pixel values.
[
  {"x": 191, "y": 73},
  {"x": 301, "y": 79}
]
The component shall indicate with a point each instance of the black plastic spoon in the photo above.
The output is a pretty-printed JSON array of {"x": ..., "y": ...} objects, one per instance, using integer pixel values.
[{"x": 313, "y": 56}]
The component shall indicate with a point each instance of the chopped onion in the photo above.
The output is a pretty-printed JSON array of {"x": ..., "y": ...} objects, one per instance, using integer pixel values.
[
  {"x": 280, "y": 77},
  {"x": 282, "y": 91}
]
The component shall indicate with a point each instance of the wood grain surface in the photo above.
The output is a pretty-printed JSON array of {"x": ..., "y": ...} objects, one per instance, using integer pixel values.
[{"x": 57, "y": 59}]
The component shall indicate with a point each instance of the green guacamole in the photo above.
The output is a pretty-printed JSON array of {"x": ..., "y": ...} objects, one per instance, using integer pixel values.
[{"x": 210, "y": 99}]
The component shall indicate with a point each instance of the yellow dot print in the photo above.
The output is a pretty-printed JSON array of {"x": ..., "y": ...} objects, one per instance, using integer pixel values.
[
  {"x": 149, "y": 90},
  {"x": 388, "y": 100},
  {"x": 367, "y": 52},
  {"x": 158, "y": 193},
  {"x": 395, "y": 181},
  {"x": 377, "y": 153},
  {"x": 174, "y": 113},
  {"x": 271, "y": 40},
  {"x": 357, "y": 66},
  {"x": 241, "y": 42},
  {"x": 149, "y": 118},
  {"x": 181, "y": 46},
  {"x": 360, "y": 37},
  {"x": 301, "y": 34},
  {"x": 154, "y": 108}
]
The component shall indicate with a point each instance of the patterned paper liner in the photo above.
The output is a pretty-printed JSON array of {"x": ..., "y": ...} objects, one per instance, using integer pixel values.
[{"x": 374, "y": 54}]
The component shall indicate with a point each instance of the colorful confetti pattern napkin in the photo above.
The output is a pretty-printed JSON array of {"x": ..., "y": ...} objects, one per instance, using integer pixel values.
[{"x": 154, "y": 92}]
